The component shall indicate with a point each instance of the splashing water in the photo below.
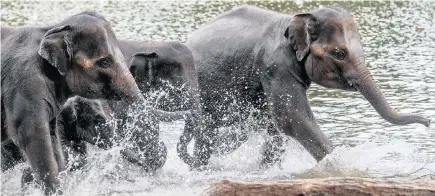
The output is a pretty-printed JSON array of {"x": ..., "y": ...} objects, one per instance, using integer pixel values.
[
  {"x": 400, "y": 58},
  {"x": 107, "y": 172}
]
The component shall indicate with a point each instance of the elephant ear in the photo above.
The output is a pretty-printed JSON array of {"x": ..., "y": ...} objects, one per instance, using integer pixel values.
[
  {"x": 140, "y": 66},
  {"x": 56, "y": 49},
  {"x": 303, "y": 29},
  {"x": 66, "y": 122}
]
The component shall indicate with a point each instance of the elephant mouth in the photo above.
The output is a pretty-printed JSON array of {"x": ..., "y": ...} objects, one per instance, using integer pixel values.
[
  {"x": 111, "y": 94},
  {"x": 343, "y": 83},
  {"x": 351, "y": 86}
]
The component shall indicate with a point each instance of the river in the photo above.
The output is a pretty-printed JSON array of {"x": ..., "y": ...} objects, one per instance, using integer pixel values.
[{"x": 399, "y": 43}]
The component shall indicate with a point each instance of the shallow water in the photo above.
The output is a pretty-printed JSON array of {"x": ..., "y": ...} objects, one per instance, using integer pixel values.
[{"x": 399, "y": 42}]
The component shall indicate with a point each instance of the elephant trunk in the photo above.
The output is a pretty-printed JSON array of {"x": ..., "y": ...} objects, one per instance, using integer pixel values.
[
  {"x": 192, "y": 125},
  {"x": 184, "y": 140},
  {"x": 365, "y": 84},
  {"x": 127, "y": 88}
]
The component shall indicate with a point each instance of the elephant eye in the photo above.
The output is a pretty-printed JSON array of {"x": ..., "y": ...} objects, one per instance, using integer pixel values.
[
  {"x": 338, "y": 54},
  {"x": 104, "y": 62}
]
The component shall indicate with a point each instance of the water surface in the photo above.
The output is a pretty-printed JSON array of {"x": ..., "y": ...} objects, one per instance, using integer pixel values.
[{"x": 399, "y": 43}]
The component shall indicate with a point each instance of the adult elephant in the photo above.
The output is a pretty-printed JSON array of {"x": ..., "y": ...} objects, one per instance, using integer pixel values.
[
  {"x": 259, "y": 58},
  {"x": 166, "y": 75},
  {"x": 156, "y": 66},
  {"x": 41, "y": 67}
]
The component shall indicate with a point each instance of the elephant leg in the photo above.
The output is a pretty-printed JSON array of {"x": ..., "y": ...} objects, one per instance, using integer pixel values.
[
  {"x": 186, "y": 137},
  {"x": 291, "y": 112},
  {"x": 231, "y": 140},
  {"x": 159, "y": 157},
  {"x": 150, "y": 159},
  {"x": 11, "y": 156},
  {"x": 75, "y": 154},
  {"x": 27, "y": 178},
  {"x": 146, "y": 151},
  {"x": 40, "y": 155},
  {"x": 273, "y": 149},
  {"x": 204, "y": 145},
  {"x": 57, "y": 150}
]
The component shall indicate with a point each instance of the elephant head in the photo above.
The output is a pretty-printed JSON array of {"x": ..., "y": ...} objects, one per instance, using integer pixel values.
[
  {"x": 141, "y": 67},
  {"x": 326, "y": 41},
  {"x": 84, "y": 119},
  {"x": 85, "y": 53},
  {"x": 160, "y": 71}
]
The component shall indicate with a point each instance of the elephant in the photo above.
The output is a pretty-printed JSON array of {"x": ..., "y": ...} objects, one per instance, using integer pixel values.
[
  {"x": 41, "y": 67},
  {"x": 266, "y": 60},
  {"x": 165, "y": 67},
  {"x": 158, "y": 66},
  {"x": 170, "y": 62},
  {"x": 80, "y": 121},
  {"x": 84, "y": 121}
]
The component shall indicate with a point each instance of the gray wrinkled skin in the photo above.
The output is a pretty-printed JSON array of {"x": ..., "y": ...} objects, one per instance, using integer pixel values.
[
  {"x": 41, "y": 68},
  {"x": 159, "y": 67},
  {"x": 267, "y": 60},
  {"x": 80, "y": 121},
  {"x": 83, "y": 120}
]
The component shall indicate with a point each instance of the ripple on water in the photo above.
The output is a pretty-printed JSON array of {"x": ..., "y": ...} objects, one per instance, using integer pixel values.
[{"x": 401, "y": 59}]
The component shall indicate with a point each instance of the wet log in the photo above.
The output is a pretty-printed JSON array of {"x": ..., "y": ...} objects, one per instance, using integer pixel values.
[{"x": 324, "y": 186}]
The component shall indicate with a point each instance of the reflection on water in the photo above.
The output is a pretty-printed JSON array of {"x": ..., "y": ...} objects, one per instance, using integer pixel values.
[{"x": 399, "y": 42}]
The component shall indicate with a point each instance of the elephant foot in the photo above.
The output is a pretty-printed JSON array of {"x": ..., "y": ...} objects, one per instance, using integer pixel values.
[
  {"x": 75, "y": 160},
  {"x": 273, "y": 151},
  {"x": 151, "y": 160},
  {"x": 202, "y": 153},
  {"x": 28, "y": 178},
  {"x": 200, "y": 163},
  {"x": 229, "y": 142},
  {"x": 199, "y": 167},
  {"x": 79, "y": 163},
  {"x": 10, "y": 156}
]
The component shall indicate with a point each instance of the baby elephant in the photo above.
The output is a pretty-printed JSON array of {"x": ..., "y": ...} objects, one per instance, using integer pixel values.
[
  {"x": 80, "y": 121},
  {"x": 84, "y": 121}
]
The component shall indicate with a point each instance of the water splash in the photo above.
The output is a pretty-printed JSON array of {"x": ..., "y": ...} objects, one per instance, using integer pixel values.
[{"x": 366, "y": 145}]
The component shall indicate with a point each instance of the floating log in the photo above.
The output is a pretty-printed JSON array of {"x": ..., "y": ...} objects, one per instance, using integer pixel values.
[{"x": 349, "y": 186}]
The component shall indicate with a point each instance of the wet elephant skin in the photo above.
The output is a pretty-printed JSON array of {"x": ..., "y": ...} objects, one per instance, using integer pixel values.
[
  {"x": 41, "y": 68},
  {"x": 267, "y": 60}
]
